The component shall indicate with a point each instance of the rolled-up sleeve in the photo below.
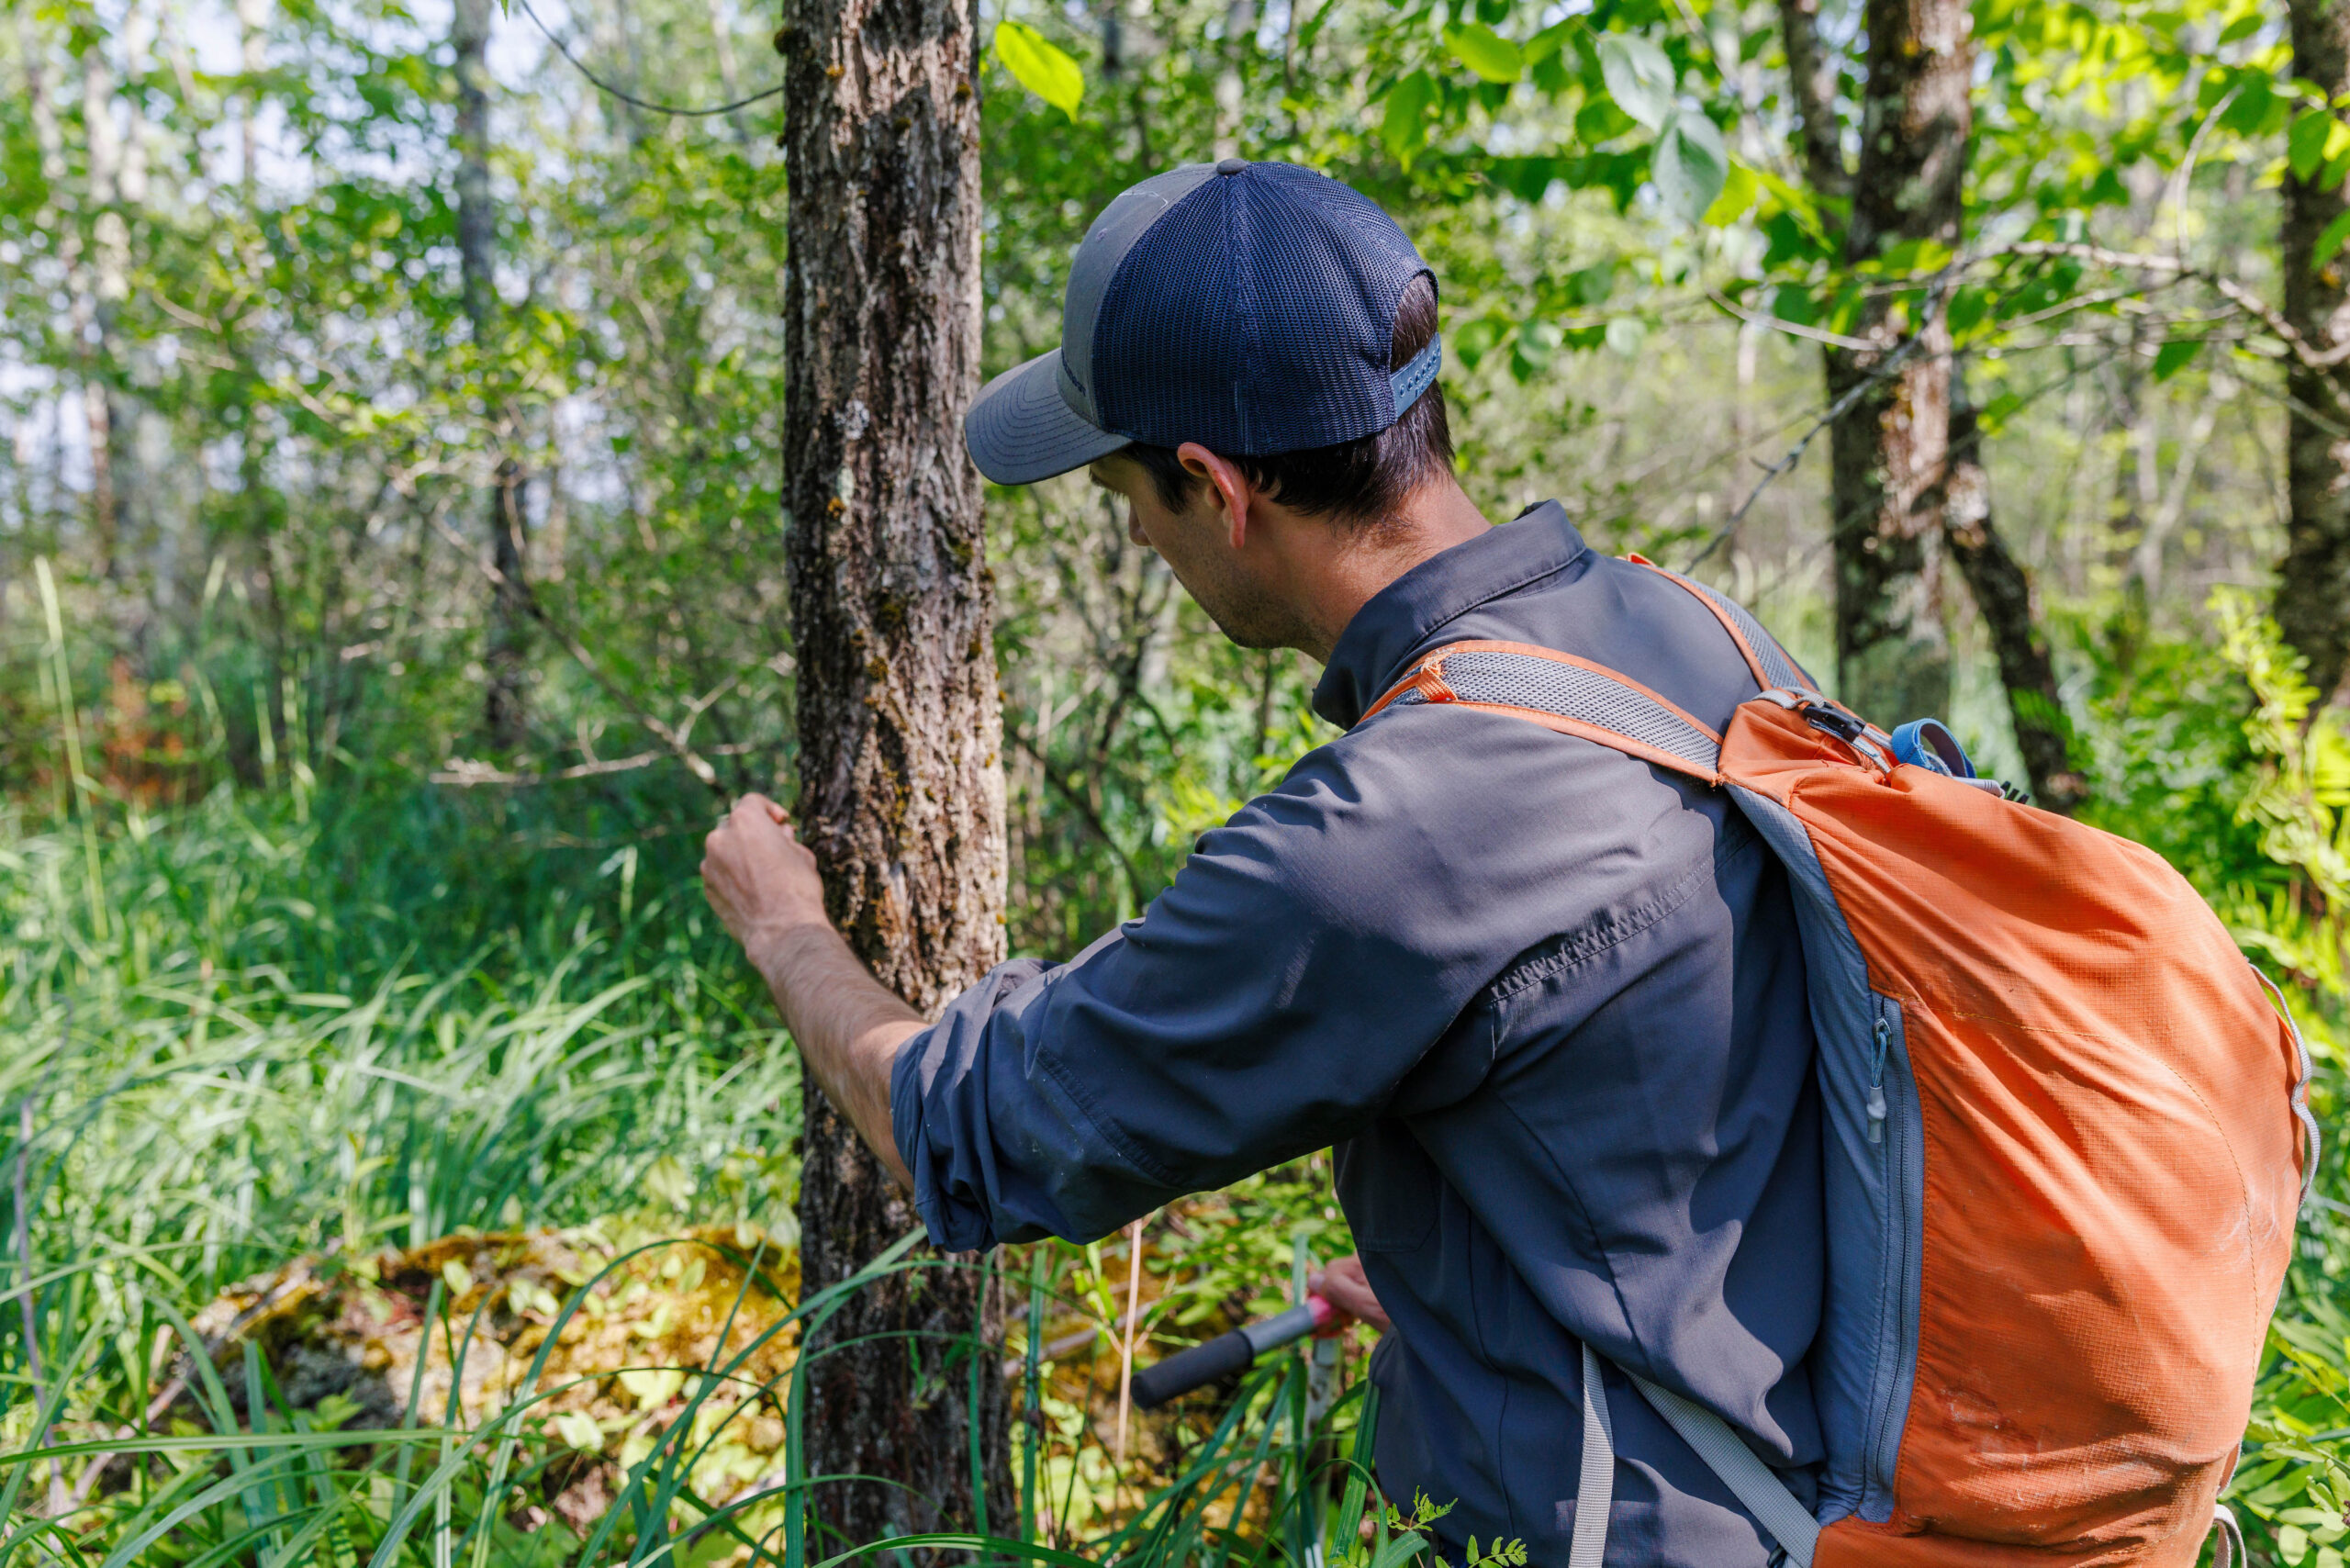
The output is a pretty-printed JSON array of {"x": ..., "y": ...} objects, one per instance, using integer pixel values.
[{"x": 1267, "y": 1004}]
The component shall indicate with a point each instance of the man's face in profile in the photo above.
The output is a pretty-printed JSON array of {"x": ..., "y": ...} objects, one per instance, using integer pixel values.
[{"x": 1196, "y": 544}]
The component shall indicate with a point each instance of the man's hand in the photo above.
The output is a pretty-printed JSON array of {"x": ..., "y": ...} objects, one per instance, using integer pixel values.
[
  {"x": 1345, "y": 1286},
  {"x": 762, "y": 882},
  {"x": 759, "y": 877}
]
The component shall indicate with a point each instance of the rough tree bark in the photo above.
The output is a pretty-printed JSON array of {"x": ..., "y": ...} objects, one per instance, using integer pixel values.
[
  {"x": 1812, "y": 78},
  {"x": 2003, "y": 594},
  {"x": 1909, "y": 485},
  {"x": 504, "y": 650},
  {"x": 2313, "y": 582},
  {"x": 900, "y": 784},
  {"x": 1889, "y": 451}
]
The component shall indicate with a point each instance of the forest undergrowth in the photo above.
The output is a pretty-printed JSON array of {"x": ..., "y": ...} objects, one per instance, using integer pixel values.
[{"x": 400, "y": 1173}]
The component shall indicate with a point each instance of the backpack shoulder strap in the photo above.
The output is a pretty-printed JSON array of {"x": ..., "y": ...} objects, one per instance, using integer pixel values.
[
  {"x": 1561, "y": 692},
  {"x": 1774, "y": 669},
  {"x": 1752, "y": 1482}
]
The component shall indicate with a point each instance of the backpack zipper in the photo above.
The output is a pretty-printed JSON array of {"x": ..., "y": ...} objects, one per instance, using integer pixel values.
[
  {"x": 1876, "y": 1080},
  {"x": 1876, "y": 1476}
]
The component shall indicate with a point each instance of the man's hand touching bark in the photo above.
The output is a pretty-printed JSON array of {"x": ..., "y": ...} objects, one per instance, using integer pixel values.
[
  {"x": 758, "y": 876},
  {"x": 764, "y": 885}
]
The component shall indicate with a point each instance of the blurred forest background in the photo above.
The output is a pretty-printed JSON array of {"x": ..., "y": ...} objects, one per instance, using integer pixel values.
[{"x": 392, "y": 590}]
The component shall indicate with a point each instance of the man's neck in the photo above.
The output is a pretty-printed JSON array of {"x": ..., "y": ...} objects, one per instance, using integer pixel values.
[{"x": 1436, "y": 516}]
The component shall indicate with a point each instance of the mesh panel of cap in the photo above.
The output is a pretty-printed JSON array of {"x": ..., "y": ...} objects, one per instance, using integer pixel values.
[{"x": 1256, "y": 316}]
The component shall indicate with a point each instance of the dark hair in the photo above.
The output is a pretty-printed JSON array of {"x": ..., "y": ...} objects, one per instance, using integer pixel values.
[{"x": 1355, "y": 483}]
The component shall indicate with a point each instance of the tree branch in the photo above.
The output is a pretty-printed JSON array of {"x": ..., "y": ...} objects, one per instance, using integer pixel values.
[
  {"x": 675, "y": 740},
  {"x": 2236, "y": 294}
]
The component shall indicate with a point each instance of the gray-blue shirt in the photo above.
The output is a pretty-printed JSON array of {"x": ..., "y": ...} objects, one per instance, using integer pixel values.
[{"x": 1547, "y": 1002}]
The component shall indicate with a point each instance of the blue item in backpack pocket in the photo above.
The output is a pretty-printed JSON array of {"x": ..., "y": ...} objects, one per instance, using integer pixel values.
[{"x": 1928, "y": 743}]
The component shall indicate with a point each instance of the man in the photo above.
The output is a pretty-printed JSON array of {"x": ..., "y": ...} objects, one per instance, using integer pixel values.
[{"x": 1546, "y": 999}]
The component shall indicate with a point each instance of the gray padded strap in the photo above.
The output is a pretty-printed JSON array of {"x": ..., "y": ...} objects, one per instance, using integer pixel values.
[
  {"x": 1572, "y": 692},
  {"x": 2300, "y": 1098},
  {"x": 1751, "y": 1481},
  {"x": 2229, "y": 1552},
  {"x": 1595, "y": 1490},
  {"x": 1778, "y": 670}
]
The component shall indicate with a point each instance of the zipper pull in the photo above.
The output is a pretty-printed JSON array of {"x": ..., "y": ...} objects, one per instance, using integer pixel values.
[{"x": 1876, "y": 1083}]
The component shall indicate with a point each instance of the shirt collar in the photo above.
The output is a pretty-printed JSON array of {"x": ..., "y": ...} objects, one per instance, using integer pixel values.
[{"x": 1401, "y": 619}]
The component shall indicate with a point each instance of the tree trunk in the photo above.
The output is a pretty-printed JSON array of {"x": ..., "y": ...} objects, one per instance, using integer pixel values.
[
  {"x": 2003, "y": 594},
  {"x": 900, "y": 786},
  {"x": 1908, "y": 479},
  {"x": 504, "y": 652},
  {"x": 2313, "y": 582},
  {"x": 1891, "y": 448},
  {"x": 1812, "y": 78},
  {"x": 59, "y": 216}
]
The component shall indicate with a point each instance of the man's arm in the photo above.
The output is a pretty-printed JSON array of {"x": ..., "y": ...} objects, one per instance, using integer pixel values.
[{"x": 762, "y": 882}]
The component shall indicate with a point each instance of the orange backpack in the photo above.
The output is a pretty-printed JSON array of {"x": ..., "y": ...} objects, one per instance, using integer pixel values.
[{"x": 2061, "y": 1161}]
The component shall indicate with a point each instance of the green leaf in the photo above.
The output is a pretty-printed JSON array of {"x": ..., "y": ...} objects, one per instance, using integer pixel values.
[
  {"x": 1039, "y": 65},
  {"x": 1691, "y": 166},
  {"x": 2305, "y": 144},
  {"x": 2244, "y": 26},
  {"x": 1483, "y": 51},
  {"x": 1638, "y": 77},
  {"x": 1738, "y": 192},
  {"x": 1538, "y": 344},
  {"x": 1404, "y": 128},
  {"x": 2329, "y": 244},
  {"x": 2174, "y": 356},
  {"x": 1471, "y": 344},
  {"x": 1967, "y": 307},
  {"x": 1594, "y": 284},
  {"x": 1546, "y": 43},
  {"x": 1600, "y": 120},
  {"x": 2254, "y": 95}
]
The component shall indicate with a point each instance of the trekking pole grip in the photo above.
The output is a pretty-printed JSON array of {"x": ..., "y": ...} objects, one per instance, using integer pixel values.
[{"x": 1227, "y": 1353}]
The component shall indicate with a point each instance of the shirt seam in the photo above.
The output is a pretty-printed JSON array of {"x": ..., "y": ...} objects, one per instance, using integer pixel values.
[{"x": 1588, "y": 942}]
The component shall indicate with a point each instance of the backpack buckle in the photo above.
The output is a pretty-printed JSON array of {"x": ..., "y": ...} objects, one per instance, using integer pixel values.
[
  {"x": 1835, "y": 720},
  {"x": 1829, "y": 719}
]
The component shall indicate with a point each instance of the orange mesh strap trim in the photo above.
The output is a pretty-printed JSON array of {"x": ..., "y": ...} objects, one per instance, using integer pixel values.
[
  {"x": 1426, "y": 677},
  {"x": 1729, "y": 624},
  {"x": 1608, "y": 738}
]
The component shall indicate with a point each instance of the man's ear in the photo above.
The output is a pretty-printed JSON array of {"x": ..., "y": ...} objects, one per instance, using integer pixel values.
[{"x": 1233, "y": 492}]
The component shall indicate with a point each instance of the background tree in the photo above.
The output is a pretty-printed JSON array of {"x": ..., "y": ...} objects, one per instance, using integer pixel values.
[
  {"x": 901, "y": 783},
  {"x": 2314, "y": 579},
  {"x": 1891, "y": 449},
  {"x": 504, "y": 714}
]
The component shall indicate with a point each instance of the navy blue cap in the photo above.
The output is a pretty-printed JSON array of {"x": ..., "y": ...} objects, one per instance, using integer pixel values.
[{"x": 1248, "y": 307}]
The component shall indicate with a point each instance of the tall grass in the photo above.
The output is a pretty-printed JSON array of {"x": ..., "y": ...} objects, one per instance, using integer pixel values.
[{"x": 261, "y": 1029}]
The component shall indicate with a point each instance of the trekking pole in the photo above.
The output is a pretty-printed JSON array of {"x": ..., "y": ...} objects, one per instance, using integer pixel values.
[{"x": 1229, "y": 1353}]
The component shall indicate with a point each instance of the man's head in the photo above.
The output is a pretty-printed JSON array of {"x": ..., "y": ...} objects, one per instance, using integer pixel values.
[{"x": 1249, "y": 357}]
